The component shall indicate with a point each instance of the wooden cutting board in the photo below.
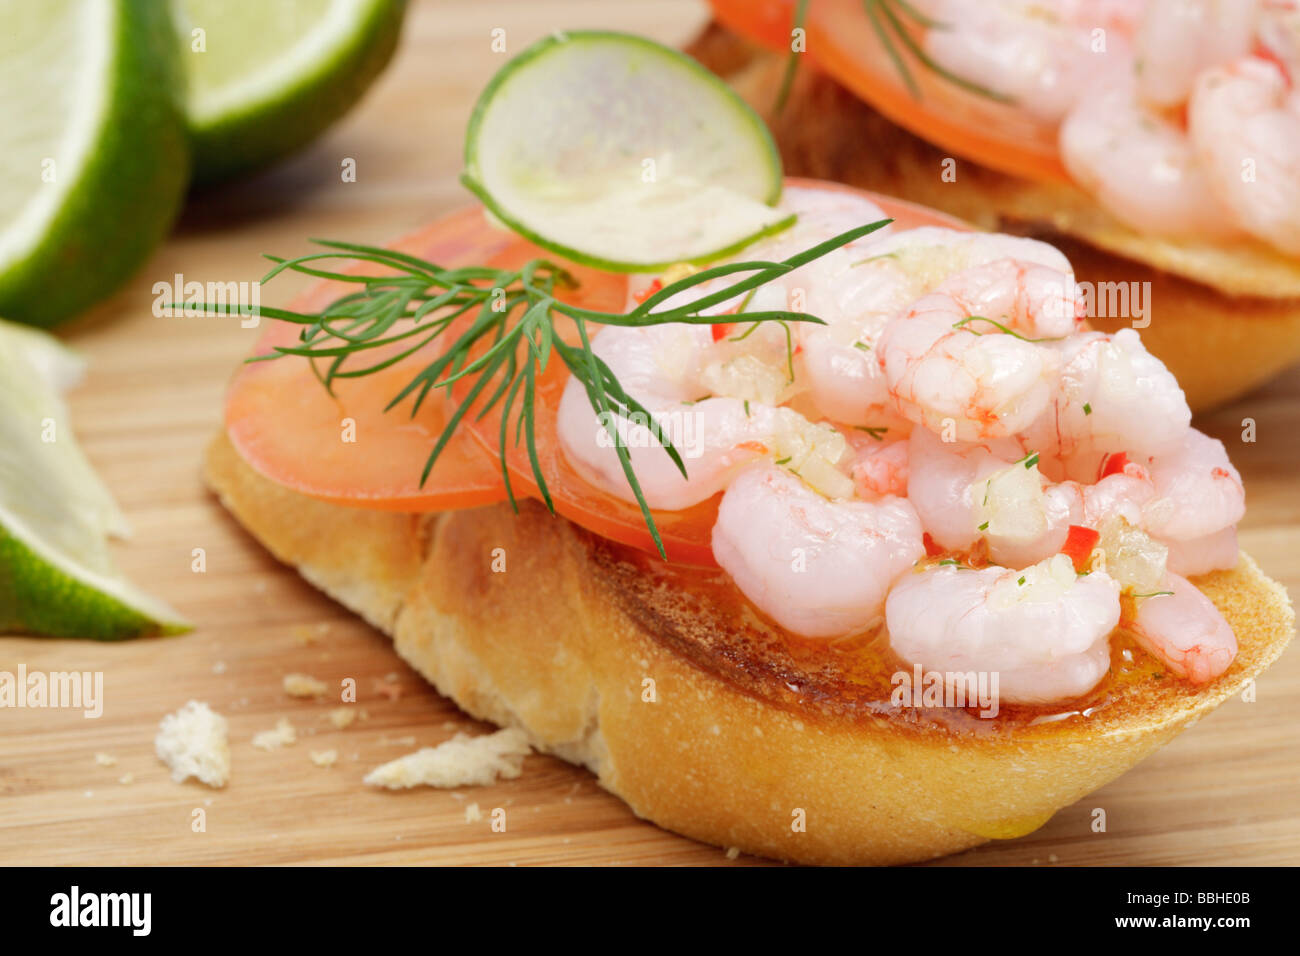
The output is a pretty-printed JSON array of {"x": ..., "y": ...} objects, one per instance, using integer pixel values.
[{"x": 1221, "y": 793}]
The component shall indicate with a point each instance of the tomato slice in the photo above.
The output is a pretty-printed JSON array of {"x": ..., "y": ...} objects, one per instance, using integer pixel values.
[
  {"x": 687, "y": 534},
  {"x": 842, "y": 42},
  {"x": 288, "y": 427},
  {"x": 766, "y": 22}
]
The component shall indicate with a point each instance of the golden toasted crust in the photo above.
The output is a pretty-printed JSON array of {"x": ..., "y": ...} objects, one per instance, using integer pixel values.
[
  {"x": 744, "y": 738},
  {"x": 1224, "y": 317}
]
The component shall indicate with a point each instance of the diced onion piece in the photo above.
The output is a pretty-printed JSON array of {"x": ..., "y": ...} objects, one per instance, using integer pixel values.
[
  {"x": 1129, "y": 555},
  {"x": 812, "y": 452},
  {"x": 1046, "y": 582},
  {"x": 1009, "y": 505}
]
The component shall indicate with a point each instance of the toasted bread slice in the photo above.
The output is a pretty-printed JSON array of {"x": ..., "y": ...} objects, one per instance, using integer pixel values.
[
  {"x": 1224, "y": 317},
  {"x": 701, "y": 715}
]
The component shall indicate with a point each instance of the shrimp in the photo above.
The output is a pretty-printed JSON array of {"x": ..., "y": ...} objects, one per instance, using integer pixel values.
[
  {"x": 879, "y": 467},
  {"x": 1111, "y": 395},
  {"x": 946, "y": 371},
  {"x": 1176, "y": 39},
  {"x": 669, "y": 371},
  {"x": 1044, "y": 630},
  {"x": 1244, "y": 120},
  {"x": 1212, "y": 552},
  {"x": 1140, "y": 165},
  {"x": 1025, "y": 296},
  {"x": 657, "y": 365},
  {"x": 994, "y": 491},
  {"x": 1185, "y": 631},
  {"x": 1279, "y": 34},
  {"x": 1196, "y": 503},
  {"x": 1042, "y": 56},
  {"x": 822, "y": 214},
  {"x": 941, "y": 476},
  {"x": 845, "y": 381},
  {"x": 985, "y": 385},
  {"x": 819, "y": 568},
  {"x": 854, "y": 302}
]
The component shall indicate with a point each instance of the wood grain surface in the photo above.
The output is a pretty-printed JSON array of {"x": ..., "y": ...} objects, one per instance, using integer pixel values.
[{"x": 1221, "y": 793}]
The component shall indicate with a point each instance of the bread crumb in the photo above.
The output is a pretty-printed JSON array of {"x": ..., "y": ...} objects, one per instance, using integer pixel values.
[
  {"x": 303, "y": 636},
  {"x": 219, "y": 667},
  {"x": 105, "y": 760},
  {"x": 343, "y": 717},
  {"x": 324, "y": 758},
  {"x": 126, "y": 778},
  {"x": 472, "y": 813},
  {"x": 193, "y": 743},
  {"x": 304, "y": 685},
  {"x": 463, "y": 761},
  {"x": 389, "y": 690},
  {"x": 733, "y": 853},
  {"x": 281, "y": 736}
]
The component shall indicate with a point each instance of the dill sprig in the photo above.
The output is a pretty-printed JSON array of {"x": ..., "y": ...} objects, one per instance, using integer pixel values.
[
  {"x": 887, "y": 19},
  {"x": 792, "y": 62},
  {"x": 496, "y": 328},
  {"x": 1003, "y": 329}
]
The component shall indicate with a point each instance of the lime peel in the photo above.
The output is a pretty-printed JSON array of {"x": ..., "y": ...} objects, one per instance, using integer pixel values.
[
  {"x": 96, "y": 157},
  {"x": 617, "y": 152},
  {"x": 56, "y": 574},
  {"x": 265, "y": 79}
]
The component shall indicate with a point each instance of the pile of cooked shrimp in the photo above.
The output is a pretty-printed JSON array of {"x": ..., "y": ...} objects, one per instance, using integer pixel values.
[
  {"x": 1179, "y": 116},
  {"x": 953, "y": 453}
]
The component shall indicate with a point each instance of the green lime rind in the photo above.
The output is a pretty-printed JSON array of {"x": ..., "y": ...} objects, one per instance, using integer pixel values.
[
  {"x": 261, "y": 132},
  {"x": 37, "y": 596},
  {"x": 547, "y": 44},
  {"x": 129, "y": 190},
  {"x": 757, "y": 130},
  {"x": 57, "y": 576},
  {"x": 613, "y": 265}
]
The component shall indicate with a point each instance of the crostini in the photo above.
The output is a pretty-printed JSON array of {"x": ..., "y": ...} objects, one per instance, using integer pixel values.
[{"x": 847, "y": 542}]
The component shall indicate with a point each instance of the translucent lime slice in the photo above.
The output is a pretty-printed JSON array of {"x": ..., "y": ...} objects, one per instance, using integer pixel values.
[
  {"x": 615, "y": 151},
  {"x": 56, "y": 574},
  {"x": 267, "y": 77},
  {"x": 93, "y": 151}
]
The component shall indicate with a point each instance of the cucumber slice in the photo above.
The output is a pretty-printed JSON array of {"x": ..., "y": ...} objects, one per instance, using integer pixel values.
[{"x": 617, "y": 152}]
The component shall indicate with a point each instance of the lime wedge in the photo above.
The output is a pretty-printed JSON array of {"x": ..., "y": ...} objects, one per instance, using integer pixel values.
[
  {"x": 56, "y": 575},
  {"x": 93, "y": 153},
  {"x": 267, "y": 77},
  {"x": 620, "y": 153}
]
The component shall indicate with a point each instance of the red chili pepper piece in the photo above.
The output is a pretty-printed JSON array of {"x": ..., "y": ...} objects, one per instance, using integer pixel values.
[
  {"x": 1113, "y": 465},
  {"x": 1078, "y": 546}
]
